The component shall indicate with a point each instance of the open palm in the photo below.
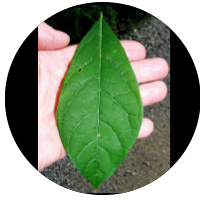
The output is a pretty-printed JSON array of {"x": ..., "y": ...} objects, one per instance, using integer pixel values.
[{"x": 54, "y": 59}]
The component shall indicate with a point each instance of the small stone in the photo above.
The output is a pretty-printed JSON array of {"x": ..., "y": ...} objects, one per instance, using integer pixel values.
[
  {"x": 147, "y": 163},
  {"x": 103, "y": 188},
  {"x": 118, "y": 173},
  {"x": 115, "y": 188},
  {"x": 133, "y": 173}
]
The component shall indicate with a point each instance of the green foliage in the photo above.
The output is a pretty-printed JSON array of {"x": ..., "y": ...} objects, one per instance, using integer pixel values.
[
  {"x": 100, "y": 110},
  {"x": 76, "y": 21}
]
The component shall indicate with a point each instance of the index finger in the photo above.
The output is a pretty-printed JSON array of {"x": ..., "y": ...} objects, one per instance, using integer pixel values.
[{"x": 134, "y": 50}]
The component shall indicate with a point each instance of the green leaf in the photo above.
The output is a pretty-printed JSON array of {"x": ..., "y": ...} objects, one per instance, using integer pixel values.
[{"x": 100, "y": 110}]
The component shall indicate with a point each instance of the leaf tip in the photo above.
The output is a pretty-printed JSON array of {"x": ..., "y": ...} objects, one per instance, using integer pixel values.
[{"x": 101, "y": 15}]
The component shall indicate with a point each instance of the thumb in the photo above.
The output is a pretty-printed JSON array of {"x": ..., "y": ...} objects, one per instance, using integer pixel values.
[{"x": 51, "y": 39}]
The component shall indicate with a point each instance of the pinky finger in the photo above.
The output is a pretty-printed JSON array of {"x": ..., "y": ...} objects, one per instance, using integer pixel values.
[{"x": 146, "y": 128}]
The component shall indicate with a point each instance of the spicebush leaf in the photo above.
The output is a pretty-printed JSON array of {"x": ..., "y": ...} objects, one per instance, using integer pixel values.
[{"x": 100, "y": 110}]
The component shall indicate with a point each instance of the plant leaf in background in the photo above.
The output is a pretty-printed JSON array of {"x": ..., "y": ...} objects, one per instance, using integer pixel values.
[{"x": 100, "y": 110}]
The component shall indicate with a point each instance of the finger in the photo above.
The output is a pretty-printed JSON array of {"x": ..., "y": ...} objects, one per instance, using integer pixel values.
[
  {"x": 153, "y": 92},
  {"x": 146, "y": 129},
  {"x": 50, "y": 39},
  {"x": 134, "y": 50},
  {"x": 150, "y": 69},
  {"x": 69, "y": 52}
]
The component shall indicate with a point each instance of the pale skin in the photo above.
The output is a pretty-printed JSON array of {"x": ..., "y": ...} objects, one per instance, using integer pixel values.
[{"x": 54, "y": 57}]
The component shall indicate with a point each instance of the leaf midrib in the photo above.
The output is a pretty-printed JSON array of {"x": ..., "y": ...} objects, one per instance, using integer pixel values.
[{"x": 100, "y": 55}]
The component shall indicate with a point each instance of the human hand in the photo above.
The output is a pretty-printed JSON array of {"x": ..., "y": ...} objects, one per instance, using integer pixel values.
[{"x": 54, "y": 59}]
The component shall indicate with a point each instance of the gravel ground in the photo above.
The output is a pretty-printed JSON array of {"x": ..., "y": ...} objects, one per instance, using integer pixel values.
[{"x": 149, "y": 158}]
